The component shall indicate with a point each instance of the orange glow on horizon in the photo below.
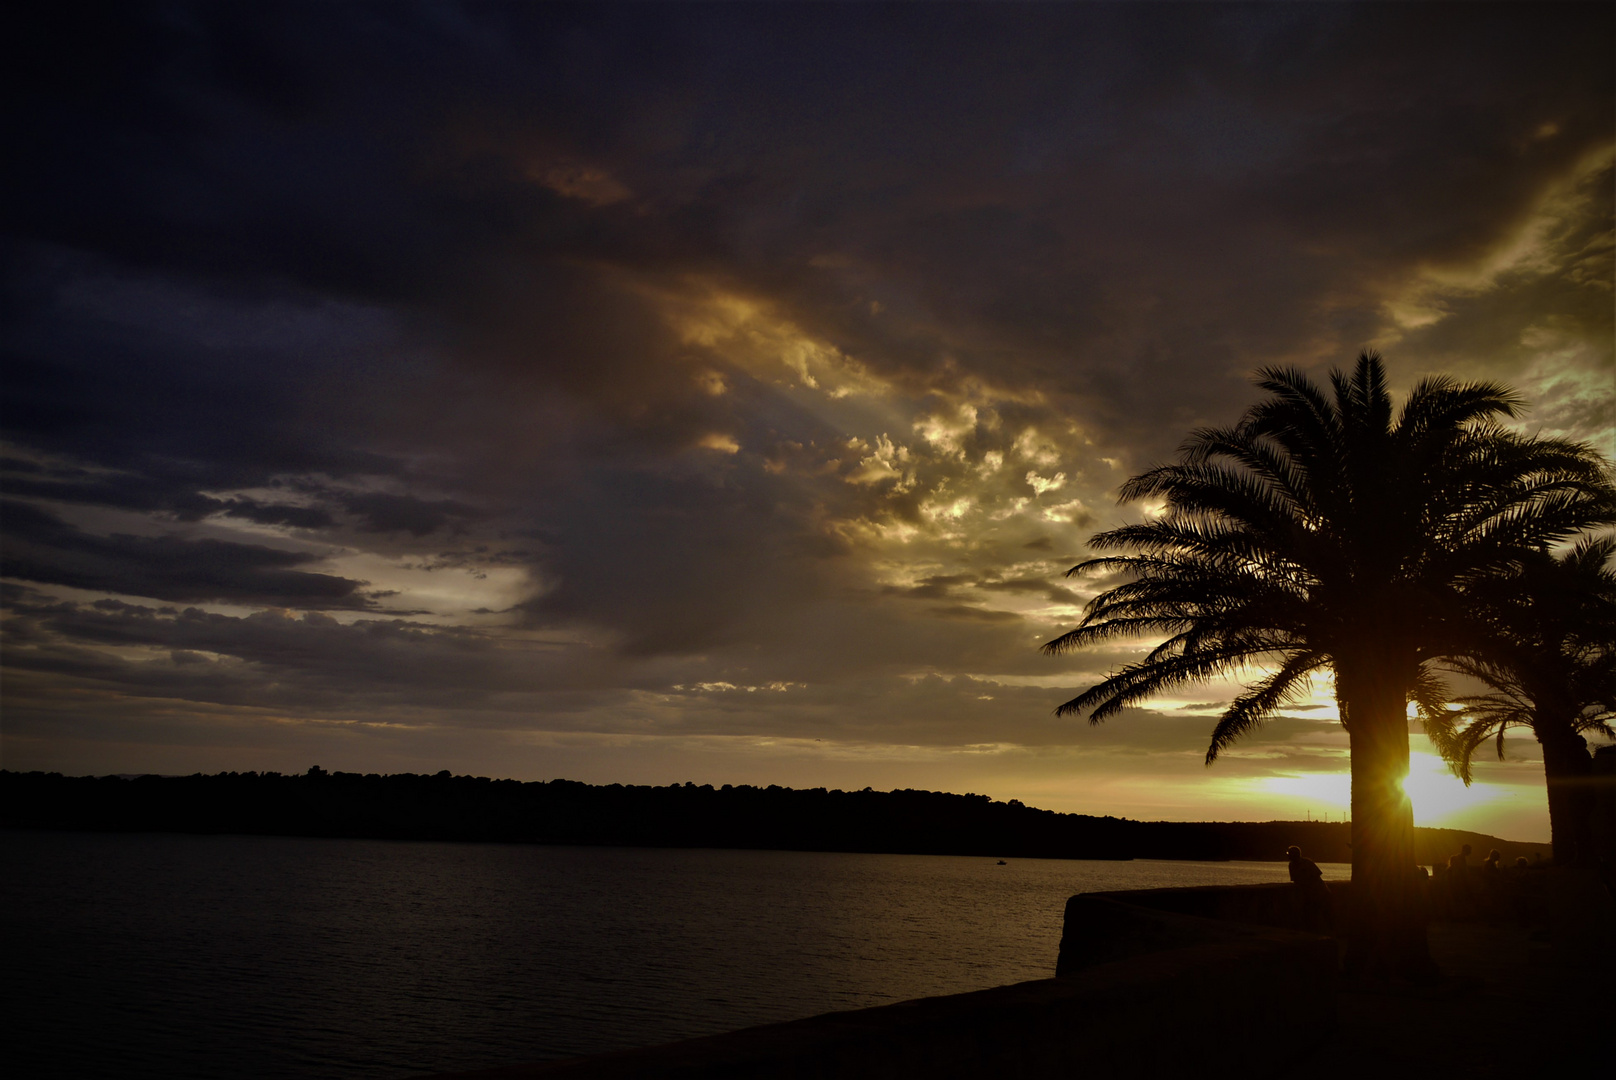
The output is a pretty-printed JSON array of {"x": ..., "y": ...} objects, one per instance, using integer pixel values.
[{"x": 1440, "y": 799}]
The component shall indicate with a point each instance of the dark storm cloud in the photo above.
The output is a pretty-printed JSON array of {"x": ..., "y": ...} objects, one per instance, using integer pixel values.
[
  {"x": 380, "y": 668},
  {"x": 385, "y": 512},
  {"x": 144, "y": 493},
  {"x": 676, "y": 563},
  {"x": 298, "y": 517},
  {"x": 41, "y": 548},
  {"x": 406, "y": 145},
  {"x": 384, "y": 670},
  {"x": 280, "y": 660},
  {"x": 169, "y": 388},
  {"x": 723, "y": 332},
  {"x": 943, "y": 586},
  {"x": 406, "y": 141}
]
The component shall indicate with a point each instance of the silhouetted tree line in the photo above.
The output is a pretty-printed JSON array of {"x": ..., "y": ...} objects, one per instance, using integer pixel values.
[{"x": 409, "y": 806}]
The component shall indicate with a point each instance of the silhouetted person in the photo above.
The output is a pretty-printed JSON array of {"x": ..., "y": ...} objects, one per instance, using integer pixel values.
[
  {"x": 1421, "y": 911},
  {"x": 1460, "y": 888},
  {"x": 1438, "y": 888},
  {"x": 1522, "y": 899},
  {"x": 1309, "y": 882},
  {"x": 1489, "y": 895}
]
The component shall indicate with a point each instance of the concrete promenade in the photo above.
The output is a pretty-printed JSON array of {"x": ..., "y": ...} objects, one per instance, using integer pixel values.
[
  {"x": 1523, "y": 992},
  {"x": 1517, "y": 1002}
]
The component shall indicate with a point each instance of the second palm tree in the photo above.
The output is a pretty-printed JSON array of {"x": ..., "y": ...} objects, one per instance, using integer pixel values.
[{"x": 1329, "y": 534}]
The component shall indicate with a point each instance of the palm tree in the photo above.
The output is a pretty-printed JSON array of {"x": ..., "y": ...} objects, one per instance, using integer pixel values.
[
  {"x": 1552, "y": 669},
  {"x": 1324, "y": 534}
]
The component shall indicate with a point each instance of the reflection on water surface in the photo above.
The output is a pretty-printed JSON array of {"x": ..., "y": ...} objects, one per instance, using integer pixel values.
[{"x": 163, "y": 955}]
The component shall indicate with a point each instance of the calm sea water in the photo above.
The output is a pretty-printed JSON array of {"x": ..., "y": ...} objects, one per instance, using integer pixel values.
[{"x": 186, "y": 956}]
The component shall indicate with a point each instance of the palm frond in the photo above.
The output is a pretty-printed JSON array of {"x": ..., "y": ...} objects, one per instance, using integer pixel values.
[
  {"x": 1251, "y": 709},
  {"x": 1321, "y": 521}
]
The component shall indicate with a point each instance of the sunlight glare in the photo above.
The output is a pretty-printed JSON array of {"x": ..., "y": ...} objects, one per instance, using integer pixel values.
[
  {"x": 1439, "y": 796},
  {"x": 1318, "y": 793}
]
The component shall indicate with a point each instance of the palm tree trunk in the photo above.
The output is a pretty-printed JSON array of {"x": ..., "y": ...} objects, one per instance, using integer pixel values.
[
  {"x": 1568, "y": 770},
  {"x": 1387, "y": 932}
]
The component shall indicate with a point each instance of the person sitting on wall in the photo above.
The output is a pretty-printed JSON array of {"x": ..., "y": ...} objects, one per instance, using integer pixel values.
[
  {"x": 1489, "y": 895},
  {"x": 1315, "y": 895},
  {"x": 1461, "y": 892}
]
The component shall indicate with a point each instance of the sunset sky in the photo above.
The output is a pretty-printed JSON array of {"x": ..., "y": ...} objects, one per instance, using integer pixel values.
[{"x": 659, "y": 393}]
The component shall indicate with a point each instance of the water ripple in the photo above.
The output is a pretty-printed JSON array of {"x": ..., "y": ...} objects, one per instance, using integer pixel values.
[{"x": 268, "y": 957}]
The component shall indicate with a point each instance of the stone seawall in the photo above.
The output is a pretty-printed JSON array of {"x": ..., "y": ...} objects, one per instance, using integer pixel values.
[
  {"x": 1143, "y": 991},
  {"x": 1138, "y": 923}
]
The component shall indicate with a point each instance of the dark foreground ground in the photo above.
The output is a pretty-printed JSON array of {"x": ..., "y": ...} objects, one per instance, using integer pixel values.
[{"x": 1519, "y": 1001}]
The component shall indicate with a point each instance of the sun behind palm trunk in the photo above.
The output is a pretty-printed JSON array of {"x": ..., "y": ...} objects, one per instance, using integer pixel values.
[{"x": 1328, "y": 533}]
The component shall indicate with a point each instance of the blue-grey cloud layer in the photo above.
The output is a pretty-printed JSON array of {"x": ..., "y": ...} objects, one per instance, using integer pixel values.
[{"x": 775, "y": 346}]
